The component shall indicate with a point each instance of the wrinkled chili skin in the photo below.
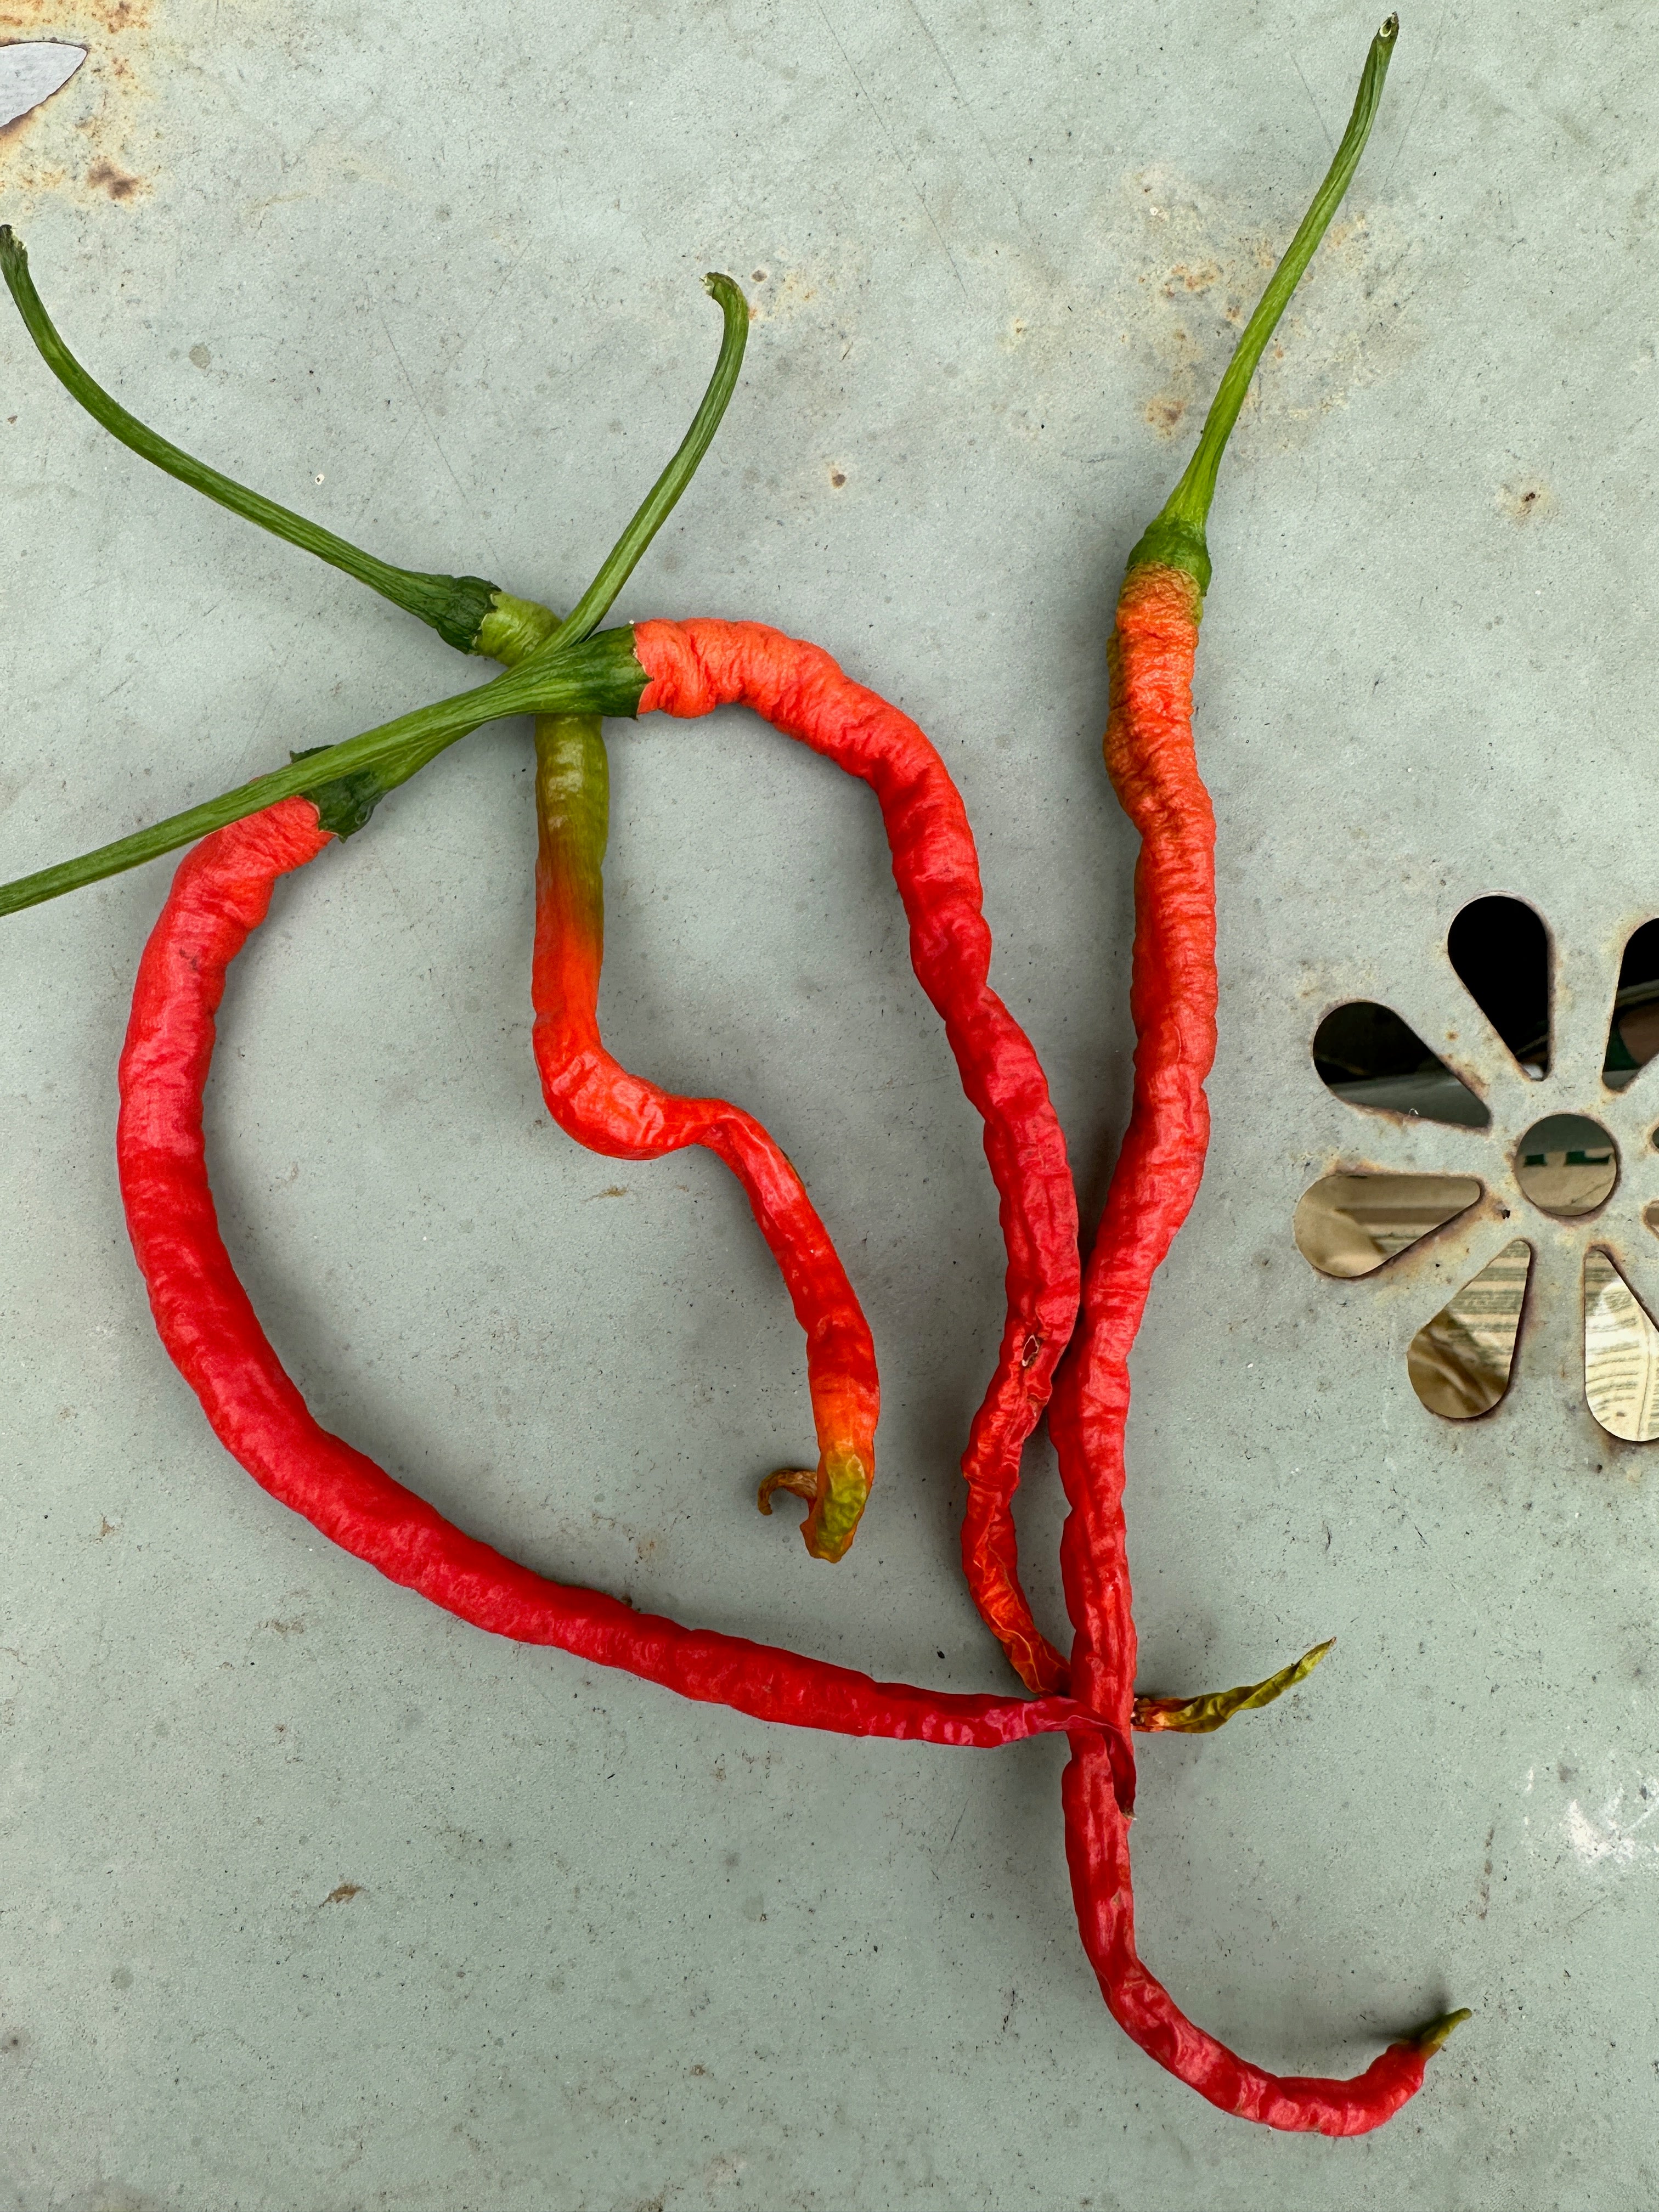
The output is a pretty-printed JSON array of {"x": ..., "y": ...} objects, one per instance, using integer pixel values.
[
  {"x": 599, "y": 1102},
  {"x": 694, "y": 666},
  {"x": 1172, "y": 999},
  {"x": 1153, "y": 766},
  {"x": 221, "y": 893},
  {"x": 1098, "y": 1853}
]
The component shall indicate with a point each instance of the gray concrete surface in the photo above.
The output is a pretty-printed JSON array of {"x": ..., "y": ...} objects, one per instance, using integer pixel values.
[{"x": 312, "y": 1898}]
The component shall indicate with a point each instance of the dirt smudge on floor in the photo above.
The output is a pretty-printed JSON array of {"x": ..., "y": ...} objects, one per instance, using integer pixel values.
[{"x": 1190, "y": 277}]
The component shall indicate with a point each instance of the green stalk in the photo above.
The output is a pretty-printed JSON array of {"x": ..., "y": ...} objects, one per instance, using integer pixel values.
[
  {"x": 1176, "y": 539},
  {"x": 598, "y": 677},
  {"x": 455, "y": 606},
  {"x": 658, "y": 502},
  {"x": 555, "y": 668}
]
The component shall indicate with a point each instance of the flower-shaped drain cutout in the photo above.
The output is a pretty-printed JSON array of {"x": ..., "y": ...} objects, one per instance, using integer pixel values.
[{"x": 1546, "y": 1133}]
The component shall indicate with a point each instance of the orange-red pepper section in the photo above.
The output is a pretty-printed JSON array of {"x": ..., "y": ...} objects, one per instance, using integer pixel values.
[
  {"x": 599, "y": 1102},
  {"x": 1154, "y": 769},
  {"x": 221, "y": 893},
  {"x": 694, "y": 666}
]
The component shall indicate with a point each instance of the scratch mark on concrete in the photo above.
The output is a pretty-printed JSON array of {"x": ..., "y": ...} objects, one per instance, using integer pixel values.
[
  {"x": 892, "y": 142},
  {"x": 1314, "y": 103},
  {"x": 990, "y": 150},
  {"x": 426, "y": 418}
]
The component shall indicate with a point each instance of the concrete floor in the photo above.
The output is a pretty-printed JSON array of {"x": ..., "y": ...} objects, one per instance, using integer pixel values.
[{"x": 313, "y": 1897}]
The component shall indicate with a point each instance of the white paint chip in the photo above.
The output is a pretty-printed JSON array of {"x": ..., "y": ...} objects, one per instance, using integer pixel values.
[
  {"x": 1611, "y": 1838},
  {"x": 32, "y": 72}
]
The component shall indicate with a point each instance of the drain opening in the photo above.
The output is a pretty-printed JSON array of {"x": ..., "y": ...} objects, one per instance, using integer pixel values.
[
  {"x": 1460, "y": 1362},
  {"x": 1347, "y": 1225},
  {"x": 1501, "y": 951},
  {"x": 1366, "y": 1054},
  {"x": 1567, "y": 1165},
  {"x": 1633, "y": 1036},
  {"x": 1621, "y": 1353}
]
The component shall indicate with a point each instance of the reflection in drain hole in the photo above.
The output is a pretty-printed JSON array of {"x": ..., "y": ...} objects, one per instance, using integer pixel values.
[
  {"x": 1567, "y": 1165},
  {"x": 1633, "y": 1038},
  {"x": 1347, "y": 1225},
  {"x": 1367, "y": 1056},
  {"x": 1501, "y": 951},
  {"x": 1621, "y": 1354},
  {"x": 1460, "y": 1362}
]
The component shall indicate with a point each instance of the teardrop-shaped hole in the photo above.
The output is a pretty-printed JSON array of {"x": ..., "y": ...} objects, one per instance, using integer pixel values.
[
  {"x": 1501, "y": 951},
  {"x": 1621, "y": 1353},
  {"x": 1460, "y": 1362},
  {"x": 1366, "y": 1053},
  {"x": 1633, "y": 1038},
  {"x": 1348, "y": 1225}
]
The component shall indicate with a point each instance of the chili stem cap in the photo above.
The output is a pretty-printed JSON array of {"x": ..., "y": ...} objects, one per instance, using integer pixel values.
[{"x": 1176, "y": 539}]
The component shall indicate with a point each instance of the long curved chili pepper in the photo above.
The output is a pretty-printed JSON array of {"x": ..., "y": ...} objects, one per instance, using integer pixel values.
[
  {"x": 1150, "y": 755},
  {"x": 221, "y": 893},
  {"x": 604, "y": 1106},
  {"x": 478, "y": 616},
  {"x": 694, "y": 666}
]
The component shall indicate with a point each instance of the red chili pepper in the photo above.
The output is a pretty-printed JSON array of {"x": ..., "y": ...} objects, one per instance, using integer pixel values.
[
  {"x": 220, "y": 894},
  {"x": 604, "y": 1106},
  {"x": 694, "y": 666},
  {"x": 1150, "y": 755}
]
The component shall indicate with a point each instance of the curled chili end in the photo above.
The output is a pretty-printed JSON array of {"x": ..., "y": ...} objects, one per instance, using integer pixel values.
[
  {"x": 836, "y": 1492},
  {"x": 1200, "y": 1716},
  {"x": 1437, "y": 2032},
  {"x": 800, "y": 1481},
  {"x": 1176, "y": 539}
]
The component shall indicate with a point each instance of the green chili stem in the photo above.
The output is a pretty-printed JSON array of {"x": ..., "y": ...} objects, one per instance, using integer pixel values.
[
  {"x": 620, "y": 563},
  {"x": 600, "y": 677},
  {"x": 1177, "y": 538},
  {"x": 453, "y": 605},
  {"x": 557, "y": 667}
]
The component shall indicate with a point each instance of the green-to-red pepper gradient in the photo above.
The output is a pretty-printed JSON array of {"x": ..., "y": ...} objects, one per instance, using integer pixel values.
[{"x": 1073, "y": 1306}]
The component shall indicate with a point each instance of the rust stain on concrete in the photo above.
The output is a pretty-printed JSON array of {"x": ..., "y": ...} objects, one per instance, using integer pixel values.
[{"x": 93, "y": 140}]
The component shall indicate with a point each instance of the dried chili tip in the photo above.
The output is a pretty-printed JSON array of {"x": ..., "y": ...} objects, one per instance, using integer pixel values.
[
  {"x": 1200, "y": 1716},
  {"x": 837, "y": 1491},
  {"x": 800, "y": 1481},
  {"x": 1431, "y": 2038}
]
